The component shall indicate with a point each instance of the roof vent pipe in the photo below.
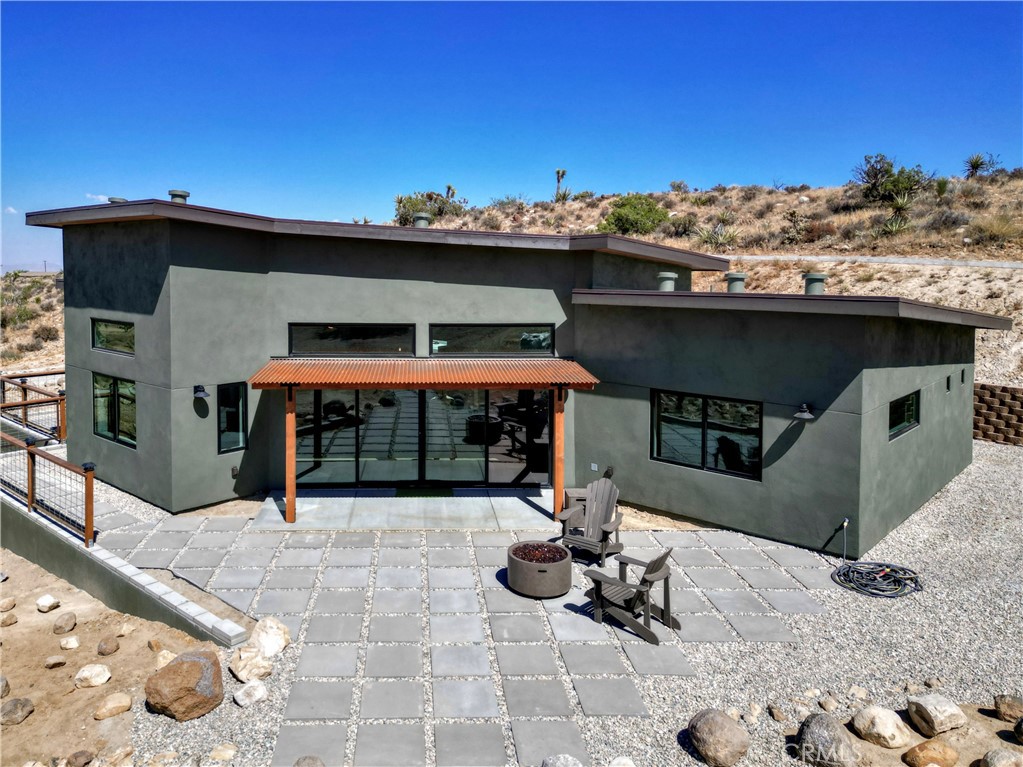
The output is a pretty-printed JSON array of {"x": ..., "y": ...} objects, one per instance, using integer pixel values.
[
  {"x": 736, "y": 282},
  {"x": 116, "y": 199},
  {"x": 666, "y": 281},
  {"x": 421, "y": 220},
  {"x": 813, "y": 283},
  {"x": 178, "y": 195}
]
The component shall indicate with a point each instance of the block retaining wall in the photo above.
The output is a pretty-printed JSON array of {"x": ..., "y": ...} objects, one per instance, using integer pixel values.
[{"x": 998, "y": 413}]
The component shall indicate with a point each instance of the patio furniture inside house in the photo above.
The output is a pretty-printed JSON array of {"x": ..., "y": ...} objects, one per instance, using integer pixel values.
[
  {"x": 626, "y": 600},
  {"x": 590, "y": 527}
]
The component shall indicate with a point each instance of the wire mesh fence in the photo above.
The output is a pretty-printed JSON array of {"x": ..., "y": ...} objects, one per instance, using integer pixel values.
[{"x": 35, "y": 401}]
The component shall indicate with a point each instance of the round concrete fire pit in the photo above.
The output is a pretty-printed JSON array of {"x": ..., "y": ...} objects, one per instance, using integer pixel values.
[{"x": 539, "y": 569}]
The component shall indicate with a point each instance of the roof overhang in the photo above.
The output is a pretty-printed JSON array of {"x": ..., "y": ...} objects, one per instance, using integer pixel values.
[
  {"x": 421, "y": 373},
  {"x": 141, "y": 210},
  {"x": 863, "y": 306}
]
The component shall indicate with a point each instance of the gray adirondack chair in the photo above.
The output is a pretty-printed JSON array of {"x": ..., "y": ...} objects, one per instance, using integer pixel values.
[
  {"x": 625, "y": 600},
  {"x": 590, "y": 527}
]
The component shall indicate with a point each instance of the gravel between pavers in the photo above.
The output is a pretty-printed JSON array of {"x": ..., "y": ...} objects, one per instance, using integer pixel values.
[{"x": 967, "y": 545}]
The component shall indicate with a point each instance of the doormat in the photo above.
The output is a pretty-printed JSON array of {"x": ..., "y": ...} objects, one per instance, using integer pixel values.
[{"x": 424, "y": 493}]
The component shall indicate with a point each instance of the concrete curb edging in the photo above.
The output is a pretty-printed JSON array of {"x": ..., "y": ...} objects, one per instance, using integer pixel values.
[{"x": 109, "y": 578}]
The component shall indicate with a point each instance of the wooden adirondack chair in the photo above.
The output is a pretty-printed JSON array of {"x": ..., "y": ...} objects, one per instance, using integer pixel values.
[
  {"x": 595, "y": 522},
  {"x": 625, "y": 600}
]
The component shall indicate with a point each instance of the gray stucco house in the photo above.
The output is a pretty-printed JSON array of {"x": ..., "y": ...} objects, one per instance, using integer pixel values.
[{"x": 212, "y": 354}]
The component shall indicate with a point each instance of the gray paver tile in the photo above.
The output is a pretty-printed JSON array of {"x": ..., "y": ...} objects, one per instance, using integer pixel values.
[
  {"x": 113, "y": 521},
  {"x": 239, "y": 600},
  {"x": 536, "y": 740},
  {"x": 480, "y": 744},
  {"x": 464, "y": 698},
  {"x": 294, "y": 742},
  {"x": 714, "y": 578},
  {"x": 767, "y": 578},
  {"x": 736, "y": 602},
  {"x": 663, "y": 659},
  {"x": 397, "y": 601},
  {"x": 120, "y": 540},
  {"x": 813, "y": 577},
  {"x": 790, "y": 556},
  {"x": 494, "y": 577},
  {"x": 687, "y": 601},
  {"x": 199, "y": 558},
  {"x": 350, "y": 557},
  {"x": 575, "y": 601},
  {"x": 259, "y": 540},
  {"x": 456, "y": 628},
  {"x": 794, "y": 601},
  {"x": 395, "y": 628},
  {"x": 204, "y": 540},
  {"x": 399, "y": 578},
  {"x": 460, "y": 660},
  {"x": 334, "y": 628},
  {"x": 327, "y": 660},
  {"x": 745, "y": 558},
  {"x": 499, "y": 540},
  {"x": 252, "y": 557},
  {"x": 677, "y": 539},
  {"x": 765, "y": 543},
  {"x": 451, "y": 578},
  {"x": 345, "y": 577},
  {"x": 232, "y": 578},
  {"x": 492, "y": 557},
  {"x": 449, "y": 538},
  {"x": 306, "y": 540},
  {"x": 569, "y": 627},
  {"x": 387, "y": 745},
  {"x": 704, "y": 628},
  {"x": 162, "y": 540},
  {"x": 536, "y": 697},
  {"x": 225, "y": 523},
  {"x": 197, "y": 576},
  {"x": 592, "y": 659},
  {"x": 299, "y": 558},
  {"x": 190, "y": 524},
  {"x": 505, "y": 601},
  {"x": 354, "y": 540},
  {"x": 525, "y": 660},
  {"x": 636, "y": 539},
  {"x": 695, "y": 557},
  {"x": 340, "y": 602},
  {"x": 724, "y": 539},
  {"x": 152, "y": 558},
  {"x": 273, "y": 601},
  {"x": 394, "y": 660},
  {"x": 395, "y": 557},
  {"x": 454, "y": 601},
  {"x": 392, "y": 700},
  {"x": 517, "y": 628},
  {"x": 319, "y": 700},
  {"x": 400, "y": 540},
  {"x": 610, "y": 697},
  {"x": 761, "y": 628},
  {"x": 292, "y": 578},
  {"x": 293, "y": 622},
  {"x": 449, "y": 557}
]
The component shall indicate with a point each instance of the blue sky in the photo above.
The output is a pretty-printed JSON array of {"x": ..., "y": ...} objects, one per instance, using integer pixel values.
[{"x": 328, "y": 110}]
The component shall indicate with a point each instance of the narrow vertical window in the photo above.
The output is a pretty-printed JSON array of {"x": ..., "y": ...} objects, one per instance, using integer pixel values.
[
  {"x": 903, "y": 414},
  {"x": 231, "y": 417},
  {"x": 948, "y": 383},
  {"x": 113, "y": 409}
]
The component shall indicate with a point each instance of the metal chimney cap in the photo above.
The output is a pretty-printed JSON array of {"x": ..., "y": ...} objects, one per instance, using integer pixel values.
[
  {"x": 116, "y": 199},
  {"x": 178, "y": 195}
]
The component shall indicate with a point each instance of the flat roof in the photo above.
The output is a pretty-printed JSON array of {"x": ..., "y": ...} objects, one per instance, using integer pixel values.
[
  {"x": 142, "y": 210},
  {"x": 796, "y": 303}
]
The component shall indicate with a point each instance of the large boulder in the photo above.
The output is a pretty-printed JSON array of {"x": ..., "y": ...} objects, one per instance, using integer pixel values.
[
  {"x": 270, "y": 636},
  {"x": 934, "y": 713},
  {"x": 1002, "y": 757},
  {"x": 718, "y": 738},
  {"x": 188, "y": 687},
  {"x": 248, "y": 663},
  {"x": 882, "y": 727},
  {"x": 1009, "y": 707},
  {"x": 823, "y": 742},
  {"x": 16, "y": 710}
]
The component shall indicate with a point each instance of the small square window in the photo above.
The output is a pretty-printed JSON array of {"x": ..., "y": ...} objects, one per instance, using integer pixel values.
[
  {"x": 112, "y": 336},
  {"x": 903, "y": 414}
]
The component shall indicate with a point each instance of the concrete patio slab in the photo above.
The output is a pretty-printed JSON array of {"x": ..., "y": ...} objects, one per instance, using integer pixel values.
[
  {"x": 236, "y": 578},
  {"x": 350, "y": 557},
  {"x": 392, "y": 700},
  {"x": 667, "y": 660},
  {"x": 296, "y": 741},
  {"x": 249, "y": 557},
  {"x": 274, "y": 601},
  {"x": 725, "y": 539},
  {"x": 695, "y": 557},
  {"x": 525, "y": 660},
  {"x": 300, "y": 557},
  {"x": 239, "y": 600},
  {"x": 395, "y": 628},
  {"x": 705, "y": 628},
  {"x": 451, "y": 578},
  {"x": 504, "y": 601},
  {"x": 460, "y": 660},
  {"x": 387, "y": 745},
  {"x": 395, "y": 557},
  {"x": 814, "y": 577},
  {"x": 453, "y": 601},
  {"x": 536, "y": 697},
  {"x": 291, "y": 578},
  {"x": 592, "y": 659},
  {"x": 340, "y": 602},
  {"x": 321, "y": 660},
  {"x": 345, "y": 577},
  {"x": 464, "y": 698},
  {"x": 736, "y": 602},
  {"x": 767, "y": 578},
  {"x": 610, "y": 697},
  {"x": 792, "y": 602},
  {"x": 578, "y": 628},
  {"x": 394, "y": 660},
  {"x": 745, "y": 558},
  {"x": 354, "y": 540},
  {"x": 535, "y": 740},
  {"x": 334, "y": 628},
  {"x": 408, "y": 601},
  {"x": 456, "y": 628},
  {"x": 714, "y": 578},
  {"x": 319, "y": 700},
  {"x": 517, "y": 628},
  {"x": 478, "y": 744},
  {"x": 398, "y": 578},
  {"x": 789, "y": 556},
  {"x": 761, "y": 628}
]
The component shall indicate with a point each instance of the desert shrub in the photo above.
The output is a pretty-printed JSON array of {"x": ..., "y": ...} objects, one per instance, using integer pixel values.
[
  {"x": 818, "y": 230},
  {"x": 586, "y": 194},
  {"x": 47, "y": 306},
  {"x": 719, "y": 188},
  {"x": 718, "y": 237},
  {"x": 944, "y": 220},
  {"x": 749, "y": 193},
  {"x": 795, "y": 228},
  {"x": 849, "y": 232},
  {"x": 516, "y": 202},
  {"x": 681, "y": 188},
  {"x": 995, "y": 229},
  {"x": 941, "y": 187},
  {"x": 633, "y": 214},
  {"x": 46, "y": 333},
  {"x": 31, "y": 346},
  {"x": 490, "y": 221},
  {"x": 980, "y": 165},
  {"x": 682, "y": 226},
  {"x": 846, "y": 203},
  {"x": 880, "y": 182},
  {"x": 544, "y": 205},
  {"x": 726, "y": 217},
  {"x": 562, "y": 195},
  {"x": 593, "y": 202},
  {"x": 669, "y": 203},
  {"x": 755, "y": 239},
  {"x": 17, "y": 314},
  {"x": 700, "y": 200},
  {"x": 791, "y": 189},
  {"x": 764, "y": 210},
  {"x": 900, "y": 204},
  {"x": 438, "y": 205},
  {"x": 892, "y": 226},
  {"x": 8, "y": 354}
]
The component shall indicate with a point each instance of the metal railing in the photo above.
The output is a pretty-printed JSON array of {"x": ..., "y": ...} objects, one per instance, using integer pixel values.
[
  {"x": 35, "y": 401},
  {"x": 49, "y": 485}
]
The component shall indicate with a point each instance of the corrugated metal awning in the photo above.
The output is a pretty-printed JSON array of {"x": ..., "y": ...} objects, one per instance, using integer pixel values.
[{"x": 422, "y": 373}]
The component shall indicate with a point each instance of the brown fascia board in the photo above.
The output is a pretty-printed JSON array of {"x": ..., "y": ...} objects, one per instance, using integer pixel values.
[
  {"x": 157, "y": 209},
  {"x": 862, "y": 306}
]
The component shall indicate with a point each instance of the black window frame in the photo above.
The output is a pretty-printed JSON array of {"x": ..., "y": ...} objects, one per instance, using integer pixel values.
[
  {"x": 243, "y": 416},
  {"x": 705, "y": 453},
  {"x": 404, "y": 325},
  {"x": 523, "y": 353},
  {"x": 108, "y": 350},
  {"x": 116, "y": 405},
  {"x": 905, "y": 426}
]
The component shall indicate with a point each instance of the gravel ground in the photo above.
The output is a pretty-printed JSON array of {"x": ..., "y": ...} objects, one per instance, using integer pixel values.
[{"x": 965, "y": 627}]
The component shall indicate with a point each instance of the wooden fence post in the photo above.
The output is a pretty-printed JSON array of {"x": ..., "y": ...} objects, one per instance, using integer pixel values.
[
  {"x": 90, "y": 470},
  {"x": 30, "y": 475},
  {"x": 62, "y": 416}
]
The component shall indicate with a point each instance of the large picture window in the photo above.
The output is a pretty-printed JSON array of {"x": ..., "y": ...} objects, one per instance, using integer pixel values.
[
  {"x": 903, "y": 414},
  {"x": 351, "y": 339},
  {"x": 709, "y": 433},
  {"x": 492, "y": 340},
  {"x": 112, "y": 336},
  {"x": 113, "y": 409},
  {"x": 231, "y": 417}
]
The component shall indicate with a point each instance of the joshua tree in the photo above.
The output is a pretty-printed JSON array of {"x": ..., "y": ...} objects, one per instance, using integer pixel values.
[
  {"x": 979, "y": 164},
  {"x": 559, "y": 194}
]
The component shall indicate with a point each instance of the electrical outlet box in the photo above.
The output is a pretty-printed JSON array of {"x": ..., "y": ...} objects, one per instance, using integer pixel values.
[{"x": 593, "y": 467}]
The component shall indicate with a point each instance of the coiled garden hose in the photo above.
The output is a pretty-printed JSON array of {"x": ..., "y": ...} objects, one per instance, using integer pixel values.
[{"x": 875, "y": 579}]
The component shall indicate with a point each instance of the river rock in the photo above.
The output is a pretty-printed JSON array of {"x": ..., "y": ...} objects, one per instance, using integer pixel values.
[
  {"x": 188, "y": 687},
  {"x": 7, "y": 604},
  {"x": 823, "y": 742},
  {"x": 65, "y": 624},
  {"x": 270, "y": 636},
  {"x": 46, "y": 603},
  {"x": 163, "y": 658},
  {"x": 9, "y": 619},
  {"x": 113, "y": 705},
  {"x": 251, "y": 692},
  {"x": 561, "y": 760},
  {"x": 5, "y": 687},
  {"x": 936, "y": 752},
  {"x": 92, "y": 675},
  {"x": 315, "y": 761},
  {"x": 55, "y": 661},
  {"x": 154, "y": 644},
  {"x": 776, "y": 712},
  {"x": 882, "y": 727},
  {"x": 1002, "y": 757},
  {"x": 934, "y": 713},
  {"x": 249, "y": 663},
  {"x": 108, "y": 646},
  {"x": 1009, "y": 707},
  {"x": 69, "y": 643},
  {"x": 115, "y": 755},
  {"x": 16, "y": 710},
  {"x": 828, "y": 703},
  {"x": 126, "y": 629},
  {"x": 80, "y": 758},
  {"x": 860, "y": 693},
  {"x": 934, "y": 682},
  {"x": 719, "y": 739},
  {"x": 225, "y": 752},
  {"x": 622, "y": 761}
]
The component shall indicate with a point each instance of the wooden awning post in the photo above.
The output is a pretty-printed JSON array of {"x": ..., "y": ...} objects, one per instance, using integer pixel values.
[
  {"x": 290, "y": 452},
  {"x": 559, "y": 449}
]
